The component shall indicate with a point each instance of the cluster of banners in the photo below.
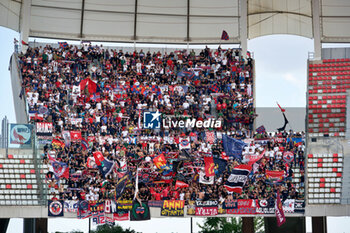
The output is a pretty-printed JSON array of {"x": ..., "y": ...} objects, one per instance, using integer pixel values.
[{"x": 109, "y": 211}]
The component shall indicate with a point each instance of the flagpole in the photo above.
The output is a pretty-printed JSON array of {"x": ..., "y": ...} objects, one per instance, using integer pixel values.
[
  {"x": 191, "y": 225},
  {"x": 89, "y": 225}
]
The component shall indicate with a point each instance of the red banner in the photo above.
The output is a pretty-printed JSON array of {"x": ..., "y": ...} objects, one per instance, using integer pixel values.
[
  {"x": 209, "y": 166},
  {"x": 244, "y": 206},
  {"x": 206, "y": 211},
  {"x": 75, "y": 136},
  {"x": 279, "y": 211},
  {"x": 275, "y": 175}
]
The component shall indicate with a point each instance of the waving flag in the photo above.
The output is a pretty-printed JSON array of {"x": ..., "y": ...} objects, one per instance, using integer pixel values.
[
  {"x": 224, "y": 35},
  {"x": 210, "y": 137},
  {"x": 261, "y": 130},
  {"x": 274, "y": 176},
  {"x": 279, "y": 210},
  {"x": 209, "y": 165},
  {"x": 120, "y": 186},
  {"x": 84, "y": 144},
  {"x": 184, "y": 143},
  {"x": 90, "y": 85},
  {"x": 214, "y": 88},
  {"x": 237, "y": 178},
  {"x": 60, "y": 169},
  {"x": 104, "y": 165},
  {"x": 180, "y": 184},
  {"x": 160, "y": 161},
  {"x": 75, "y": 135},
  {"x": 233, "y": 147},
  {"x": 57, "y": 143},
  {"x": 91, "y": 162},
  {"x": 220, "y": 166},
  {"x": 63, "y": 44},
  {"x": 250, "y": 159},
  {"x": 285, "y": 119},
  {"x": 188, "y": 74}
]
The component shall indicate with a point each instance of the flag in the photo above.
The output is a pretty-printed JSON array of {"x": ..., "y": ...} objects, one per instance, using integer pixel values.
[
  {"x": 120, "y": 186},
  {"x": 55, "y": 208},
  {"x": 160, "y": 161},
  {"x": 288, "y": 156},
  {"x": 210, "y": 137},
  {"x": 184, "y": 143},
  {"x": 214, "y": 88},
  {"x": 250, "y": 159},
  {"x": 140, "y": 211},
  {"x": 60, "y": 169},
  {"x": 180, "y": 184},
  {"x": 224, "y": 35},
  {"x": 84, "y": 144},
  {"x": 121, "y": 215},
  {"x": 63, "y": 44},
  {"x": 91, "y": 162},
  {"x": 285, "y": 123},
  {"x": 184, "y": 155},
  {"x": 104, "y": 165},
  {"x": 220, "y": 166},
  {"x": 75, "y": 135},
  {"x": 83, "y": 210},
  {"x": 67, "y": 138},
  {"x": 237, "y": 178},
  {"x": 188, "y": 74},
  {"x": 209, "y": 165},
  {"x": 274, "y": 176},
  {"x": 90, "y": 85},
  {"x": 261, "y": 130},
  {"x": 282, "y": 109},
  {"x": 57, "y": 143},
  {"x": 96, "y": 97},
  {"x": 232, "y": 147},
  {"x": 203, "y": 179},
  {"x": 24, "y": 43},
  {"x": 279, "y": 210}
]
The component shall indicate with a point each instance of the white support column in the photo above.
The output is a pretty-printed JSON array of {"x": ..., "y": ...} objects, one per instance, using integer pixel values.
[
  {"x": 243, "y": 29},
  {"x": 25, "y": 22},
  {"x": 316, "y": 28}
]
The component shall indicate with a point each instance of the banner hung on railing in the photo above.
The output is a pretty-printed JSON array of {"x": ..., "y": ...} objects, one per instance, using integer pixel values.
[{"x": 20, "y": 134}]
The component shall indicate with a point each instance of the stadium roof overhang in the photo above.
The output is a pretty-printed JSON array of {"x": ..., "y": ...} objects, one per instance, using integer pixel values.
[{"x": 181, "y": 21}]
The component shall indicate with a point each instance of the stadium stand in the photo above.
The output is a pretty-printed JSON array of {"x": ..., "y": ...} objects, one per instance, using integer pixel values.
[
  {"x": 95, "y": 98},
  {"x": 328, "y": 83}
]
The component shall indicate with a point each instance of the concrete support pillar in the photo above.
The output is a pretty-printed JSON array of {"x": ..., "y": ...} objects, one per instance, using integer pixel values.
[
  {"x": 4, "y": 222},
  {"x": 292, "y": 225},
  {"x": 319, "y": 224},
  {"x": 41, "y": 225},
  {"x": 25, "y": 22},
  {"x": 316, "y": 28},
  {"x": 243, "y": 31},
  {"x": 29, "y": 225},
  {"x": 247, "y": 224}
]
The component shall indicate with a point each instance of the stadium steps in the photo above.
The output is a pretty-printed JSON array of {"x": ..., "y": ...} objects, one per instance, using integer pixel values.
[
  {"x": 346, "y": 182},
  {"x": 18, "y": 178}
]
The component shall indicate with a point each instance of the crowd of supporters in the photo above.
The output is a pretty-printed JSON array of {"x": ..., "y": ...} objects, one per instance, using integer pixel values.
[{"x": 103, "y": 93}]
